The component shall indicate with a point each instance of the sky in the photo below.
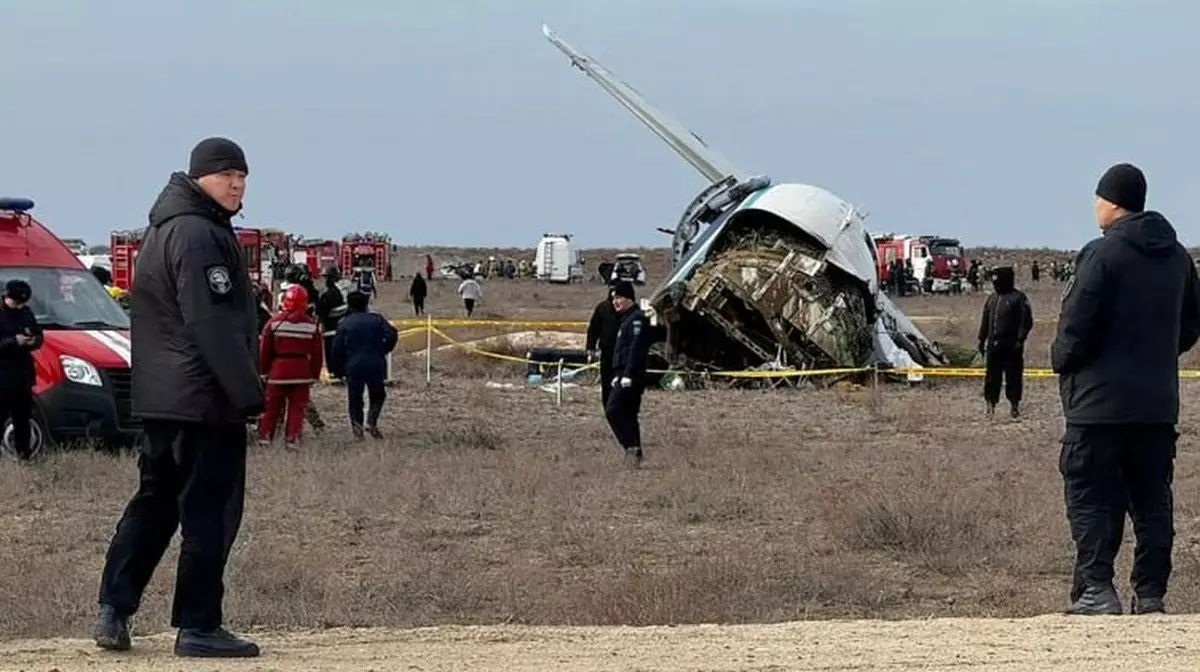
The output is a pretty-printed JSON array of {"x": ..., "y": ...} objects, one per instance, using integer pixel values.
[{"x": 459, "y": 124}]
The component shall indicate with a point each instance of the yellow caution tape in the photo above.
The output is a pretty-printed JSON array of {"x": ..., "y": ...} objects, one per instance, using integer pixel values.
[{"x": 471, "y": 322}]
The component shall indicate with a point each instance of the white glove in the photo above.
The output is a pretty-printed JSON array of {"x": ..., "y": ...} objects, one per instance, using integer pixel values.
[{"x": 626, "y": 382}]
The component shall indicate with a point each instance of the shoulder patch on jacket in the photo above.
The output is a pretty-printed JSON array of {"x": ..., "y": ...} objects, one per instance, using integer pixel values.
[
  {"x": 219, "y": 281},
  {"x": 637, "y": 327}
]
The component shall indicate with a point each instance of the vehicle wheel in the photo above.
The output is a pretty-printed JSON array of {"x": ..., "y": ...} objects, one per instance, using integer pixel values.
[{"x": 39, "y": 438}]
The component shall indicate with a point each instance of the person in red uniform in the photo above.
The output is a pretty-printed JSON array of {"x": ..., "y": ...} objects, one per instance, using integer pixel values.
[{"x": 290, "y": 356}]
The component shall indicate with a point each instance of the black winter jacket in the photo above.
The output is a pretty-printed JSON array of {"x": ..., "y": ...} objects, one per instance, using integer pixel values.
[
  {"x": 633, "y": 345},
  {"x": 361, "y": 345},
  {"x": 1007, "y": 316},
  {"x": 16, "y": 361},
  {"x": 193, "y": 314},
  {"x": 1130, "y": 310},
  {"x": 602, "y": 330}
]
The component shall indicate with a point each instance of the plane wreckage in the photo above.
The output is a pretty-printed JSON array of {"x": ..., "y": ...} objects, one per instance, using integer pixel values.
[{"x": 766, "y": 276}]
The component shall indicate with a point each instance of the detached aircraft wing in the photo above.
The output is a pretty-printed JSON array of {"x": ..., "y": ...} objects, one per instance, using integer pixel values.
[{"x": 686, "y": 143}]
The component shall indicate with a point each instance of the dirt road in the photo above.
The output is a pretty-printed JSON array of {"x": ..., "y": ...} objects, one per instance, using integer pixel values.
[{"x": 1043, "y": 644}]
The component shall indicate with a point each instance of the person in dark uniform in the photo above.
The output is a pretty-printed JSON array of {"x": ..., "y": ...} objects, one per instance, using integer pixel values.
[
  {"x": 331, "y": 308},
  {"x": 1131, "y": 309},
  {"x": 360, "y": 350},
  {"x": 1006, "y": 323},
  {"x": 417, "y": 292},
  {"x": 630, "y": 350},
  {"x": 195, "y": 386},
  {"x": 601, "y": 337},
  {"x": 20, "y": 335}
]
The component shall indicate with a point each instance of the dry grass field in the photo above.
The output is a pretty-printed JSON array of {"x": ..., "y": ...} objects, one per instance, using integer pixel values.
[{"x": 490, "y": 505}]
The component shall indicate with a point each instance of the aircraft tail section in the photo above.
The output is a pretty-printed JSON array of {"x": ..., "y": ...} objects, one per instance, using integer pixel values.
[{"x": 686, "y": 143}]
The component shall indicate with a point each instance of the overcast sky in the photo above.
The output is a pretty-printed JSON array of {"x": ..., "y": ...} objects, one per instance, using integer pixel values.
[{"x": 458, "y": 123}]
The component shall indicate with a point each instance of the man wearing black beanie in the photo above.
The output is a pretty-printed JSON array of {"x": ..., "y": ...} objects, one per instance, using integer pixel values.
[
  {"x": 194, "y": 330},
  {"x": 1131, "y": 309}
]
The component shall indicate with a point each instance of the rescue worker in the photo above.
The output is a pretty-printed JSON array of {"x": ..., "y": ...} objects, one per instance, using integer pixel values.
[
  {"x": 630, "y": 349},
  {"x": 470, "y": 291},
  {"x": 428, "y": 267},
  {"x": 331, "y": 308},
  {"x": 290, "y": 357},
  {"x": 417, "y": 292},
  {"x": 20, "y": 335},
  {"x": 195, "y": 386},
  {"x": 601, "y": 336},
  {"x": 1006, "y": 322},
  {"x": 297, "y": 275},
  {"x": 1035, "y": 271},
  {"x": 364, "y": 281},
  {"x": 1131, "y": 309},
  {"x": 360, "y": 350}
]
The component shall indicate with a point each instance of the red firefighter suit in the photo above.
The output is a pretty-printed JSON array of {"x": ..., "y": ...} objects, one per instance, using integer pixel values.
[{"x": 290, "y": 356}]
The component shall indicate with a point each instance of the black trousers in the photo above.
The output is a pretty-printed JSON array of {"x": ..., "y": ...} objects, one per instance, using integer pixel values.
[
  {"x": 418, "y": 305},
  {"x": 192, "y": 476},
  {"x": 469, "y": 304},
  {"x": 1108, "y": 470},
  {"x": 376, "y": 393},
  {"x": 606, "y": 376},
  {"x": 328, "y": 348},
  {"x": 16, "y": 403},
  {"x": 1005, "y": 365},
  {"x": 624, "y": 405}
]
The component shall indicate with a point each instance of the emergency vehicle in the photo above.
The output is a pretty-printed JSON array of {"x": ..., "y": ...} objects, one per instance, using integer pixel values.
[
  {"x": 122, "y": 250},
  {"x": 83, "y": 381},
  {"x": 317, "y": 254},
  {"x": 556, "y": 261},
  {"x": 949, "y": 264},
  {"x": 367, "y": 251}
]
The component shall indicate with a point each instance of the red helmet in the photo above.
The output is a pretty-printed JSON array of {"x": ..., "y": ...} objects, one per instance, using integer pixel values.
[{"x": 295, "y": 299}]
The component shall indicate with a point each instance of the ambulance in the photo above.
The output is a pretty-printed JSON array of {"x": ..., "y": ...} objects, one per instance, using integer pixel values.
[{"x": 83, "y": 381}]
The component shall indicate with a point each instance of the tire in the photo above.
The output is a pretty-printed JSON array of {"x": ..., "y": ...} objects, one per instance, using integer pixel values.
[{"x": 39, "y": 439}]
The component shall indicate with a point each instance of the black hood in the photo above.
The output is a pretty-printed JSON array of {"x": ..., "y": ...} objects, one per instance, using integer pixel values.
[
  {"x": 1004, "y": 279},
  {"x": 1147, "y": 232},
  {"x": 182, "y": 196}
]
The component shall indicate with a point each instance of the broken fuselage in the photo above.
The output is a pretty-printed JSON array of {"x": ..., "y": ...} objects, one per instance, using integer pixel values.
[{"x": 766, "y": 276}]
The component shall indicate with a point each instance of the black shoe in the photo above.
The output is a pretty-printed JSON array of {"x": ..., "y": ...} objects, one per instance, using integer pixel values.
[
  {"x": 215, "y": 643},
  {"x": 374, "y": 432},
  {"x": 1015, "y": 411},
  {"x": 112, "y": 630},
  {"x": 357, "y": 432},
  {"x": 633, "y": 457},
  {"x": 991, "y": 409},
  {"x": 1147, "y": 605},
  {"x": 1097, "y": 601}
]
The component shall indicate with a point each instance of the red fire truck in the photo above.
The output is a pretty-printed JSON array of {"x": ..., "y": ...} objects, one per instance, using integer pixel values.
[
  {"x": 367, "y": 251},
  {"x": 318, "y": 254},
  {"x": 123, "y": 249},
  {"x": 938, "y": 263},
  {"x": 82, "y": 387}
]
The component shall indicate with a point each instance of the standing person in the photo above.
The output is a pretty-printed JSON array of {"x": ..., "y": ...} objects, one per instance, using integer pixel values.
[
  {"x": 417, "y": 292},
  {"x": 331, "y": 308},
  {"x": 195, "y": 385},
  {"x": 1006, "y": 323},
  {"x": 1131, "y": 309},
  {"x": 601, "y": 337},
  {"x": 629, "y": 372},
  {"x": 20, "y": 335},
  {"x": 290, "y": 356},
  {"x": 470, "y": 291},
  {"x": 428, "y": 267},
  {"x": 360, "y": 351}
]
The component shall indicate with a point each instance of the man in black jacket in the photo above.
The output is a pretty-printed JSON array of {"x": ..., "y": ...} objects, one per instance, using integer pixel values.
[
  {"x": 1006, "y": 323},
  {"x": 20, "y": 335},
  {"x": 630, "y": 350},
  {"x": 195, "y": 385},
  {"x": 331, "y": 308},
  {"x": 1129, "y": 311},
  {"x": 601, "y": 337}
]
